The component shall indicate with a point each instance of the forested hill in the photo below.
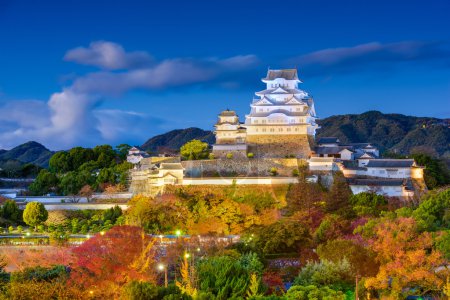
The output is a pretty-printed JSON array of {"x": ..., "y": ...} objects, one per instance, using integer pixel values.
[
  {"x": 390, "y": 132},
  {"x": 30, "y": 152},
  {"x": 174, "y": 139}
]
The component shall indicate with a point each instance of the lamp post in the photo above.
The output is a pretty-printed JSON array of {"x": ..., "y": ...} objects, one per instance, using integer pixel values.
[{"x": 162, "y": 267}]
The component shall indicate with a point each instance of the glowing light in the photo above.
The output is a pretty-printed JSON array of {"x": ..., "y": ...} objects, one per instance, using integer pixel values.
[
  {"x": 187, "y": 255},
  {"x": 161, "y": 267},
  {"x": 198, "y": 249},
  {"x": 102, "y": 233},
  {"x": 88, "y": 236},
  {"x": 178, "y": 232},
  {"x": 28, "y": 234}
]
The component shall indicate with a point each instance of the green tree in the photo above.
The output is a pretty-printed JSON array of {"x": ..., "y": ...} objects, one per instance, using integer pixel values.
[
  {"x": 368, "y": 204},
  {"x": 106, "y": 175},
  {"x": 122, "y": 150},
  {"x": 337, "y": 275},
  {"x": 35, "y": 214},
  {"x": 311, "y": 292},
  {"x": 436, "y": 172},
  {"x": 283, "y": 236},
  {"x": 223, "y": 276},
  {"x": 45, "y": 183},
  {"x": 10, "y": 211},
  {"x": 140, "y": 290},
  {"x": 104, "y": 155},
  {"x": 60, "y": 162},
  {"x": 433, "y": 212},
  {"x": 194, "y": 149},
  {"x": 79, "y": 156}
]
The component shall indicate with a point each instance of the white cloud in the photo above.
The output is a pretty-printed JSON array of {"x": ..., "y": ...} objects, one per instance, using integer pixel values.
[{"x": 108, "y": 55}]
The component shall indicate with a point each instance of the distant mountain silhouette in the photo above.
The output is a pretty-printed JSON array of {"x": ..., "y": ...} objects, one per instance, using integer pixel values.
[
  {"x": 30, "y": 152},
  {"x": 390, "y": 132},
  {"x": 174, "y": 139}
]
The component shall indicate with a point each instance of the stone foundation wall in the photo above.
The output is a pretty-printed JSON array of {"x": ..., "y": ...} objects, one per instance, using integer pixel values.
[
  {"x": 235, "y": 153},
  {"x": 251, "y": 167},
  {"x": 265, "y": 146}
]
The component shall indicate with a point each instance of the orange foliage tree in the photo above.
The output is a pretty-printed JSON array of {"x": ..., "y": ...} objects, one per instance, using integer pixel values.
[
  {"x": 122, "y": 254},
  {"x": 407, "y": 259}
]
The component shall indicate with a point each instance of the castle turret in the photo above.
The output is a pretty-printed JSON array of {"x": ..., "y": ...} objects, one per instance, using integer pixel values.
[{"x": 230, "y": 136}]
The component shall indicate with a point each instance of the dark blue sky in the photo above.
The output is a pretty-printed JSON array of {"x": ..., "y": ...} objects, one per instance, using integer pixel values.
[{"x": 90, "y": 72}]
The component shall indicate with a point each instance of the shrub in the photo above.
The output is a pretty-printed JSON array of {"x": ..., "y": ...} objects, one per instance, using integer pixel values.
[
  {"x": 10, "y": 229},
  {"x": 229, "y": 155},
  {"x": 273, "y": 171},
  {"x": 211, "y": 156},
  {"x": 295, "y": 172},
  {"x": 19, "y": 229},
  {"x": 250, "y": 155}
]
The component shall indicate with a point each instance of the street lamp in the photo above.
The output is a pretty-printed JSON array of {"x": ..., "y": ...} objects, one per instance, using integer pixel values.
[
  {"x": 178, "y": 233},
  {"x": 102, "y": 233},
  {"x": 162, "y": 267}
]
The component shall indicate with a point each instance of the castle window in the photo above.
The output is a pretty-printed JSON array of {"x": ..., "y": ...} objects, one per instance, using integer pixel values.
[
  {"x": 272, "y": 130},
  {"x": 264, "y": 130},
  {"x": 296, "y": 128},
  {"x": 280, "y": 129}
]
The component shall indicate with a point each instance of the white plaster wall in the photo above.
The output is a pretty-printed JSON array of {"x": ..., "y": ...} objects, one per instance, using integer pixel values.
[{"x": 239, "y": 181}]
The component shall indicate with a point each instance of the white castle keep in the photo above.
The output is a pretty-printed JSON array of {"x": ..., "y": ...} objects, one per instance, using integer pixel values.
[{"x": 281, "y": 123}]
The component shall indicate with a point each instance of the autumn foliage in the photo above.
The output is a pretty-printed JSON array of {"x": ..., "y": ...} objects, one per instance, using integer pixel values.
[{"x": 122, "y": 254}]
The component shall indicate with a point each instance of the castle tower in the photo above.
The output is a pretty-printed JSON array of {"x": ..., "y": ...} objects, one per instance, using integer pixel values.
[
  {"x": 282, "y": 118},
  {"x": 230, "y": 136}
]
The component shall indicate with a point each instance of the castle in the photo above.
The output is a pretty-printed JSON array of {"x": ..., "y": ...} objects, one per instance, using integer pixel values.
[
  {"x": 281, "y": 122},
  {"x": 275, "y": 141}
]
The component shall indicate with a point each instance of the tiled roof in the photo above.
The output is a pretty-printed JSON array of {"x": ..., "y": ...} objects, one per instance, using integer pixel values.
[
  {"x": 288, "y": 74},
  {"x": 171, "y": 166},
  {"x": 376, "y": 182},
  {"x": 228, "y": 113},
  {"x": 390, "y": 163},
  {"x": 330, "y": 150},
  {"x": 328, "y": 140}
]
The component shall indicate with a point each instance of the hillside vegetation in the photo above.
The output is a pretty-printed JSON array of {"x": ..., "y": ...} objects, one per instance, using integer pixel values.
[{"x": 394, "y": 133}]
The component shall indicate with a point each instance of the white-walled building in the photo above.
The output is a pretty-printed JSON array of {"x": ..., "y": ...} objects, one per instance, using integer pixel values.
[{"x": 135, "y": 155}]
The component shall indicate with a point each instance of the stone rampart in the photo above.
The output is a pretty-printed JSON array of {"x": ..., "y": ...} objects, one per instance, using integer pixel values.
[
  {"x": 250, "y": 167},
  {"x": 267, "y": 146}
]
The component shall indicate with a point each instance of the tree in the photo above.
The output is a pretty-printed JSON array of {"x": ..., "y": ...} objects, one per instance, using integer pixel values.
[
  {"x": 139, "y": 290},
  {"x": 283, "y": 236},
  {"x": 312, "y": 292},
  {"x": 436, "y": 172},
  {"x": 104, "y": 155},
  {"x": 101, "y": 261},
  {"x": 79, "y": 156},
  {"x": 361, "y": 259},
  {"x": 368, "y": 204},
  {"x": 433, "y": 212},
  {"x": 406, "y": 257},
  {"x": 336, "y": 275},
  {"x": 10, "y": 211},
  {"x": 45, "y": 183},
  {"x": 60, "y": 162},
  {"x": 304, "y": 195},
  {"x": 194, "y": 150},
  {"x": 86, "y": 191},
  {"x": 338, "y": 197},
  {"x": 35, "y": 214},
  {"x": 122, "y": 150}
]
